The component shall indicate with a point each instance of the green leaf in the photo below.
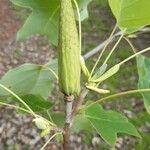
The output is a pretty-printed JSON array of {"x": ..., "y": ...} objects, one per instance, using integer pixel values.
[
  {"x": 101, "y": 91},
  {"x": 35, "y": 102},
  {"x": 81, "y": 123},
  {"x": 143, "y": 65},
  {"x": 141, "y": 119},
  {"x": 45, "y": 131},
  {"x": 83, "y": 4},
  {"x": 131, "y": 15},
  {"x": 58, "y": 118},
  {"x": 143, "y": 144},
  {"x": 44, "y": 18},
  {"x": 109, "y": 123},
  {"x": 53, "y": 64},
  {"x": 99, "y": 71},
  {"x": 108, "y": 74},
  {"x": 41, "y": 123},
  {"x": 28, "y": 79}
]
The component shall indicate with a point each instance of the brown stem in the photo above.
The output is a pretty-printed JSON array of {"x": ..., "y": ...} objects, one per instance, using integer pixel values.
[
  {"x": 66, "y": 137},
  {"x": 79, "y": 101},
  {"x": 68, "y": 122},
  {"x": 69, "y": 115}
]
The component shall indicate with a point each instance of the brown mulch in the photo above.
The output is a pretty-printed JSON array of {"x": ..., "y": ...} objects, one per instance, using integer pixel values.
[
  {"x": 18, "y": 131},
  {"x": 9, "y": 24}
]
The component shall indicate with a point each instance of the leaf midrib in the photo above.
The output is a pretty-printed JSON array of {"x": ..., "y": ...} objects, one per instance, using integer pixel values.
[{"x": 96, "y": 118}]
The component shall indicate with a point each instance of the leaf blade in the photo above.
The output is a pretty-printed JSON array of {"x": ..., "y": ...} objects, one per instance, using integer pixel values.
[
  {"x": 36, "y": 103},
  {"x": 44, "y": 18},
  {"x": 28, "y": 79},
  {"x": 122, "y": 10},
  {"x": 109, "y": 123},
  {"x": 143, "y": 65},
  {"x": 108, "y": 73}
]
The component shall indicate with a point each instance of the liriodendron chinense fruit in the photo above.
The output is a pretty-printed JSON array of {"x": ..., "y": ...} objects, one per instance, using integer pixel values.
[{"x": 69, "y": 51}]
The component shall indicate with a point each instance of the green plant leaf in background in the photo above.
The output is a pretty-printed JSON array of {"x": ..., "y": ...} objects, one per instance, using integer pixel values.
[
  {"x": 113, "y": 70},
  {"x": 45, "y": 18},
  {"x": 58, "y": 118},
  {"x": 99, "y": 72},
  {"x": 131, "y": 15},
  {"x": 143, "y": 65},
  {"x": 28, "y": 79},
  {"x": 35, "y": 102},
  {"x": 83, "y": 6},
  {"x": 81, "y": 123},
  {"x": 109, "y": 123},
  {"x": 142, "y": 120}
]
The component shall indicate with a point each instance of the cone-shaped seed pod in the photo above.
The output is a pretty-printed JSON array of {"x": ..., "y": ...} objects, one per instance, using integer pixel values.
[{"x": 68, "y": 50}]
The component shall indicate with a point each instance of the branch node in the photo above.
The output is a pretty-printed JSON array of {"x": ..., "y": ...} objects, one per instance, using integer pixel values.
[{"x": 68, "y": 98}]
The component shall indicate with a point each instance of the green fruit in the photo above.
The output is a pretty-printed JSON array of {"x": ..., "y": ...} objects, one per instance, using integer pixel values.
[
  {"x": 41, "y": 123},
  {"x": 69, "y": 51}
]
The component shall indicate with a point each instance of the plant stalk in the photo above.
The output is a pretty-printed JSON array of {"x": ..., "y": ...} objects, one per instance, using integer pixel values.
[
  {"x": 79, "y": 101},
  {"x": 68, "y": 122}
]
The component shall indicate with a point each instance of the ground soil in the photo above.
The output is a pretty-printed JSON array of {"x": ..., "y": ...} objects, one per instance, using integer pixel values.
[{"x": 17, "y": 131}]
